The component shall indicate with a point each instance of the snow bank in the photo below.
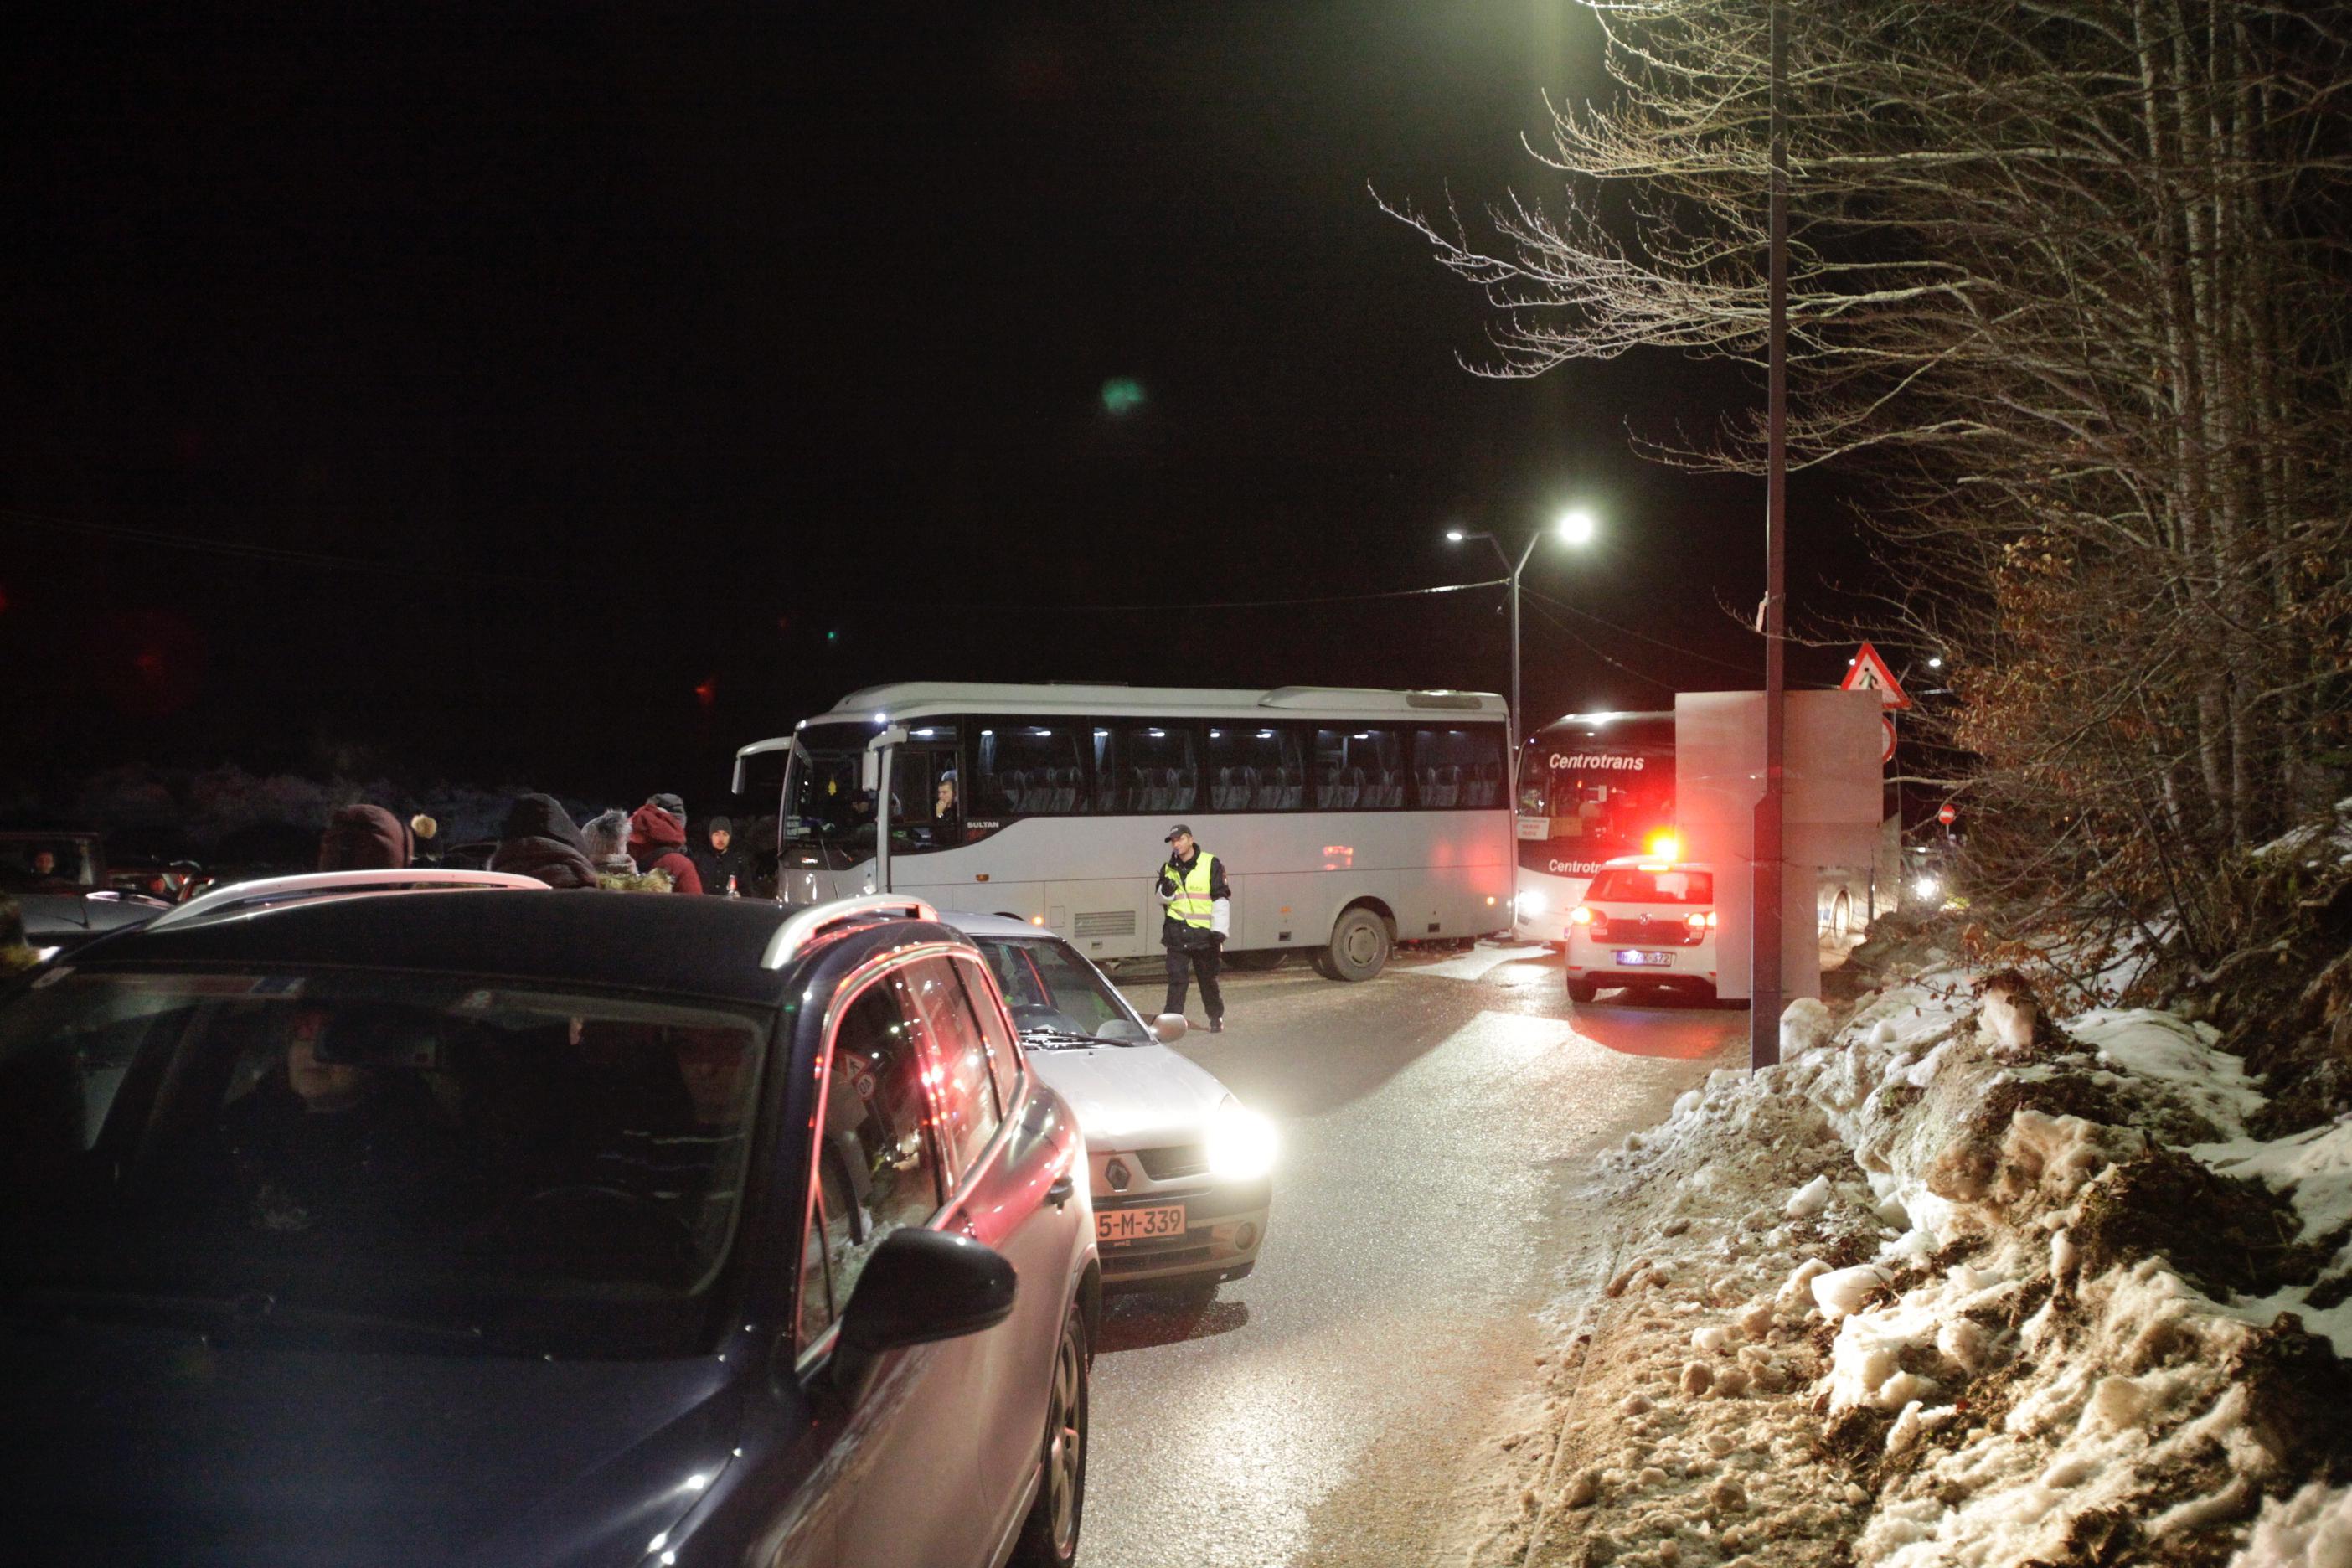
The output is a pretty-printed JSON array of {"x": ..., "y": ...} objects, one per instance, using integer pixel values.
[
  {"x": 2180, "y": 1058},
  {"x": 2311, "y": 1530},
  {"x": 1878, "y": 1305}
]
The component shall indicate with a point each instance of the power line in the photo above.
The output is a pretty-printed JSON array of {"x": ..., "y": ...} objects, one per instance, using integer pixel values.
[
  {"x": 281, "y": 556},
  {"x": 1565, "y": 630},
  {"x": 1628, "y": 631}
]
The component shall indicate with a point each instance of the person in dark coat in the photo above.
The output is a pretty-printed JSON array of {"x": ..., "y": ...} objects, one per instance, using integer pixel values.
[
  {"x": 719, "y": 861},
  {"x": 323, "y": 1147},
  {"x": 540, "y": 839},
  {"x": 364, "y": 839},
  {"x": 657, "y": 842}
]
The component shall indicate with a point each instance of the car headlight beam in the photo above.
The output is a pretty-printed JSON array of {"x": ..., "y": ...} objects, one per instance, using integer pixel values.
[{"x": 1240, "y": 1143}]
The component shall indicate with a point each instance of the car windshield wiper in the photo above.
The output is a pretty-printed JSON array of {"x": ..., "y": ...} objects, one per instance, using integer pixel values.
[
  {"x": 1060, "y": 1040},
  {"x": 258, "y": 1310}
]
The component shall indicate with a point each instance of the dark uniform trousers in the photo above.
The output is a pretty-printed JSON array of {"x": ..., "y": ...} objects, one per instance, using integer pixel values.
[{"x": 1204, "y": 962}]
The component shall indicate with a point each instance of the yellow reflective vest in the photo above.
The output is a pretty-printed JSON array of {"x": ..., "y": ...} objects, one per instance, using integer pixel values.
[{"x": 1192, "y": 906}]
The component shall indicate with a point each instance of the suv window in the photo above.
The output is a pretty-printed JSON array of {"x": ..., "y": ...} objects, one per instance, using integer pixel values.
[
  {"x": 879, "y": 1168},
  {"x": 1624, "y": 885},
  {"x": 1003, "y": 1058},
  {"x": 969, "y": 1112}
]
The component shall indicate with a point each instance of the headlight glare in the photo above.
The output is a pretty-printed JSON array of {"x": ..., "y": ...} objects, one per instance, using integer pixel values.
[{"x": 1240, "y": 1144}]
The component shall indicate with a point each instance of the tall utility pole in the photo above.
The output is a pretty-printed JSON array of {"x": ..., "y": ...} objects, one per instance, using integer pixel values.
[{"x": 1764, "y": 964}]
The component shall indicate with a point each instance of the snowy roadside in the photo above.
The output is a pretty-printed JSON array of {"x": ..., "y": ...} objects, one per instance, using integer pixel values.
[{"x": 1951, "y": 1285}]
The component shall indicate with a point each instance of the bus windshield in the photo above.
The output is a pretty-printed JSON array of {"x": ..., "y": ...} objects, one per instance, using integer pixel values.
[
  {"x": 1593, "y": 790},
  {"x": 825, "y": 803}
]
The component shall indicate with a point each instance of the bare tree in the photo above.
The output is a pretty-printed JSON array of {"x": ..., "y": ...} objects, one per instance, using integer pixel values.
[{"x": 2068, "y": 283}]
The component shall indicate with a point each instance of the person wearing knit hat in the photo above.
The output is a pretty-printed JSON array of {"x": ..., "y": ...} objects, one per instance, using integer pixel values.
[
  {"x": 657, "y": 842},
  {"x": 605, "y": 838},
  {"x": 722, "y": 866}
]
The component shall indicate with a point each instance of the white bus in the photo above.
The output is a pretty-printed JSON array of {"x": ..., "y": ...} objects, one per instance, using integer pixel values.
[
  {"x": 1595, "y": 786},
  {"x": 1348, "y": 820}
]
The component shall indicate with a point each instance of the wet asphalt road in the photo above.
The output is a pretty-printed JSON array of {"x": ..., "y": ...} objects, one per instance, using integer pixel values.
[{"x": 1434, "y": 1121}]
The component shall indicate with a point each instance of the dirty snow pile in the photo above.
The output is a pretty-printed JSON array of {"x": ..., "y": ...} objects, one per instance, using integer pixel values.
[{"x": 1955, "y": 1285}]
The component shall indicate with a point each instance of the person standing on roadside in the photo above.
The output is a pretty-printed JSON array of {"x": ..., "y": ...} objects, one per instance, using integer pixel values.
[
  {"x": 541, "y": 840},
  {"x": 657, "y": 842},
  {"x": 364, "y": 839},
  {"x": 1198, "y": 916},
  {"x": 724, "y": 869}
]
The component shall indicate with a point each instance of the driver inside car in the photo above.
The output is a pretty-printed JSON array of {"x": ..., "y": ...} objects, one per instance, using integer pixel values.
[{"x": 326, "y": 1145}]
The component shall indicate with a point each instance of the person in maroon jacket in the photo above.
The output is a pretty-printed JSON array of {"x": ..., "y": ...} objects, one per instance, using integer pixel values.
[
  {"x": 657, "y": 842},
  {"x": 364, "y": 839}
]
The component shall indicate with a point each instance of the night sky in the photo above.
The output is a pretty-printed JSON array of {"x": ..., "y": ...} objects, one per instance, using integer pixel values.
[{"x": 524, "y": 379}]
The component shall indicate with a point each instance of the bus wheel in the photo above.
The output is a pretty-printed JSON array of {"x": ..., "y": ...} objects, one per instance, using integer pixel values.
[{"x": 1359, "y": 946}]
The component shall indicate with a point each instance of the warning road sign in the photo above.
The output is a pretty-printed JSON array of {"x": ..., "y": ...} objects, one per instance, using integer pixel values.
[{"x": 1866, "y": 672}]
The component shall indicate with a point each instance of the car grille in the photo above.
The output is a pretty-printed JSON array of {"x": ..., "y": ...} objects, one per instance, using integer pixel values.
[
  {"x": 1128, "y": 1262},
  {"x": 1178, "y": 1159},
  {"x": 1648, "y": 932}
]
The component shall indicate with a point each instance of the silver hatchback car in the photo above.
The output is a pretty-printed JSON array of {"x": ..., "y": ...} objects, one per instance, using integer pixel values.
[{"x": 1182, "y": 1172}]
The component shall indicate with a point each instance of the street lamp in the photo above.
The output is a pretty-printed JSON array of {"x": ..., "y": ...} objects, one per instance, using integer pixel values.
[{"x": 1574, "y": 526}]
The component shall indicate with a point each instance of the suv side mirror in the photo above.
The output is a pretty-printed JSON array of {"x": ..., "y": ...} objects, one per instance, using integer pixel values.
[
  {"x": 920, "y": 1286},
  {"x": 1169, "y": 1027}
]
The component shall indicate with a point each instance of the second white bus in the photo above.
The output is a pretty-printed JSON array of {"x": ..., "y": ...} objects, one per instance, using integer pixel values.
[{"x": 1349, "y": 820}]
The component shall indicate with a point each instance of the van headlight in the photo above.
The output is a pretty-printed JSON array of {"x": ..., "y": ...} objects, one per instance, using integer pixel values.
[{"x": 1240, "y": 1144}]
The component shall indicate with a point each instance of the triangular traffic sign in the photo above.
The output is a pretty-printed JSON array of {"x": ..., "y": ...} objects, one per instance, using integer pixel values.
[{"x": 1868, "y": 672}]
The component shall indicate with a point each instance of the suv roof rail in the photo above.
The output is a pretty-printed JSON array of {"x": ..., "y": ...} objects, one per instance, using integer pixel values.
[
  {"x": 332, "y": 884},
  {"x": 798, "y": 932}
]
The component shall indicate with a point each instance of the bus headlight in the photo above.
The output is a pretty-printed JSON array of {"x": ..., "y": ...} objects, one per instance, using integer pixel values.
[
  {"x": 1531, "y": 904},
  {"x": 1240, "y": 1144}
]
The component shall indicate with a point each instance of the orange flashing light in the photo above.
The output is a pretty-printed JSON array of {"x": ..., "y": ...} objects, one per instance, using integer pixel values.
[
  {"x": 1664, "y": 845},
  {"x": 1581, "y": 915}
]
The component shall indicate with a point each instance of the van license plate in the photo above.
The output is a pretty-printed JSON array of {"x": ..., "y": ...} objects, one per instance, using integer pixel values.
[
  {"x": 1138, "y": 1224},
  {"x": 1634, "y": 960}
]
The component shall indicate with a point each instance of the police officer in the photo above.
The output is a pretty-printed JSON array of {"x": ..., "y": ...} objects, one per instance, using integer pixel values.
[{"x": 1199, "y": 917}]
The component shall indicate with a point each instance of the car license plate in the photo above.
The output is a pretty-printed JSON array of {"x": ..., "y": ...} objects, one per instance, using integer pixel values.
[
  {"x": 1634, "y": 960},
  {"x": 1138, "y": 1224}
]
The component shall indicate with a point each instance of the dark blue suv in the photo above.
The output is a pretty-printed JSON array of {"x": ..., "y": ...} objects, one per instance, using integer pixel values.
[{"x": 472, "y": 1224}]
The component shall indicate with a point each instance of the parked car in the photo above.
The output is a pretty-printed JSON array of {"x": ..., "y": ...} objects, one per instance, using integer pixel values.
[
  {"x": 1644, "y": 924},
  {"x": 1181, "y": 1170},
  {"x": 57, "y": 877},
  {"x": 431, "y": 1216}
]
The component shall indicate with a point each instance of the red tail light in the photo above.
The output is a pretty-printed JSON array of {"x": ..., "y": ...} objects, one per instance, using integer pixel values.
[
  {"x": 1581, "y": 915},
  {"x": 1700, "y": 921}
]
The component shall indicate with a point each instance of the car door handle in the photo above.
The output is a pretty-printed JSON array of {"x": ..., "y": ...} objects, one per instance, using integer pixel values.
[{"x": 1062, "y": 1189}]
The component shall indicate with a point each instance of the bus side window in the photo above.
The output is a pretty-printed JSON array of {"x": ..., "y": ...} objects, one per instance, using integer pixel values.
[
  {"x": 1023, "y": 767},
  {"x": 1253, "y": 767},
  {"x": 1358, "y": 770},
  {"x": 1159, "y": 765},
  {"x": 1458, "y": 769}
]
